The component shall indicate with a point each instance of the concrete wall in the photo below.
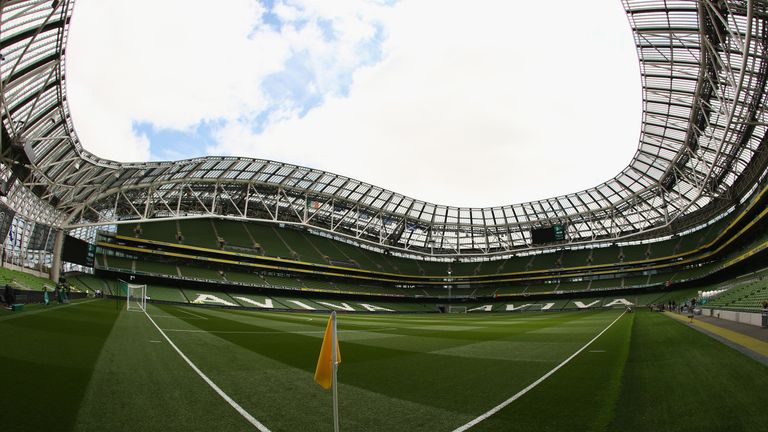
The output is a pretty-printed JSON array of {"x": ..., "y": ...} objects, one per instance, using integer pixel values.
[
  {"x": 27, "y": 270},
  {"x": 751, "y": 318}
]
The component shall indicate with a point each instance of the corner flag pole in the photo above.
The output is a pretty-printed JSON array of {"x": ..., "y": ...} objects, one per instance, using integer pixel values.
[
  {"x": 335, "y": 364},
  {"x": 328, "y": 365}
]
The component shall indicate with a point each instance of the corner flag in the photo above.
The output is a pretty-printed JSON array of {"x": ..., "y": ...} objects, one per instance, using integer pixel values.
[{"x": 326, "y": 362}]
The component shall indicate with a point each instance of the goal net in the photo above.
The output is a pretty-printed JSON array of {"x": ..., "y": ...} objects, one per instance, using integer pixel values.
[
  {"x": 457, "y": 309},
  {"x": 135, "y": 296}
]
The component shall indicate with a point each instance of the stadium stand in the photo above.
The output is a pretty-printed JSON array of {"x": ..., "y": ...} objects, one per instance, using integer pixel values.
[
  {"x": 746, "y": 296},
  {"x": 267, "y": 238},
  {"x": 574, "y": 258},
  {"x": 604, "y": 255},
  {"x": 255, "y": 239},
  {"x": 90, "y": 283},
  {"x": 603, "y": 284},
  {"x": 166, "y": 293},
  {"x": 342, "y": 253},
  {"x": 632, "y": 253},
  {"x": 199, "y": 232},
  {"x": 201, "y": 273},
  {"x": 116, "y": 262},
  {"x": 245, "y": 278},
  {"x": 156, "y": 267},
  {"x": 236, "y": 237},
  {"x": 283, "y": 282},
  {"x": 23, "y": 280}
]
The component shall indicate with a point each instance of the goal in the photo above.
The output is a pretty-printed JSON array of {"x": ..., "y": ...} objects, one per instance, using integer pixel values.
[
  {"x": 135, "y": 296},
  {"x": 457, "y": 309}
]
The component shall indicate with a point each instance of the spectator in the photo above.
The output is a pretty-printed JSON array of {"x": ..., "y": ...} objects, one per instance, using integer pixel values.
[
  {"x": 64, "y": 293},
  {"x": 765, "y": 305},
  {"x": 46, "y": 300},
  {"x": 10, "y": 296}
]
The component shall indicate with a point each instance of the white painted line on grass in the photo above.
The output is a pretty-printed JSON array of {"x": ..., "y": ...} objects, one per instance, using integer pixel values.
[
  {"x": 175, "y": 317},
  {"x": 213, "y": 385},
  {"x": 45, "y": 309},
  {"x": 190, "y": 313},
  {"x": 522, "y": 392},
  {"x": 270, "y": 332}
]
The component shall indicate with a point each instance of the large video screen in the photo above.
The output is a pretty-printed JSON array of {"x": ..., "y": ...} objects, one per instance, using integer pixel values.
[
  {"x": 554, "y": 233},
  {"x": 77, "y": 251}
]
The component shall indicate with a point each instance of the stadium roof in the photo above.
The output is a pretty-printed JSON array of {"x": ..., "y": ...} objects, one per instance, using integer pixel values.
[{"x": 703, "y": 69}]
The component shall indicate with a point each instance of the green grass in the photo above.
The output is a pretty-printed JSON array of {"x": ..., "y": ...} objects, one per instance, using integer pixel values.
[
  {"x": 98, "y": 367},
  {"x": 689, "y": 381},
  {"x": 23, "y": 280},
  {"x": 47, "y": 361}
]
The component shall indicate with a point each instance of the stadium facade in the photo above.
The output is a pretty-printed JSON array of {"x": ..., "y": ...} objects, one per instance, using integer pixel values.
[{"x": 701, "y": 157}]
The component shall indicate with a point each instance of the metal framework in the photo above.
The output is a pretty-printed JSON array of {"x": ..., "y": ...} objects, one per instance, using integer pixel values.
[{"x": 703, "y": 66}]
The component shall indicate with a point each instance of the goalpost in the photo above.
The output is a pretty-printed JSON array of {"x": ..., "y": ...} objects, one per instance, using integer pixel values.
[
  {"x": 135, "y": 296},
  {"x": 457, "y": 309}
]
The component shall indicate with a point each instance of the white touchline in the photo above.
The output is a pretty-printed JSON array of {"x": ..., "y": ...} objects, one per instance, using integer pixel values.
[
  {"x": 519, "y": 394},
  {"x": 213, "y": 385}
]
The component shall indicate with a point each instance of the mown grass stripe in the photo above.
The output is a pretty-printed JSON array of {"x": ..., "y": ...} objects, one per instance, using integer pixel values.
[
  {"x": 42, "y": 309},
  {"x": 46, "y": 363},
  {"x": 751, "y": 343},
  {"x": 212, "y": 384},
  {"x": 531, "y": 386},
  {"x": 268, "y": 332}
]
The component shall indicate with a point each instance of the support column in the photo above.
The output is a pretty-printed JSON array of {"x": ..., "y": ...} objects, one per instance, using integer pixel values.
[{"x": 58, "y": 245}]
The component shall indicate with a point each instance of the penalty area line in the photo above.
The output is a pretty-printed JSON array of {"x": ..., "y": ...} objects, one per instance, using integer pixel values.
[
  {"x": 522, "y": 392},
  {"x": 212, "y": 384}
]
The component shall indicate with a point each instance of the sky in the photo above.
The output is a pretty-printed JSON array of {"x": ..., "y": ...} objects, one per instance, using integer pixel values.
[{"x": 465, "y": 104}]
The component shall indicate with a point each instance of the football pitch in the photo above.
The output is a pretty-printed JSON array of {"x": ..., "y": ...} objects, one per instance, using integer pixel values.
[{"x": 93, "y": 366}]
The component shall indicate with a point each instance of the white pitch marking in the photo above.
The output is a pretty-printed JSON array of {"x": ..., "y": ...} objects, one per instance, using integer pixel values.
[
  {"x": 522, "y": 392},
  {"x": 46, "y": 309},
  {"x": 213, "y": 385},
  {"x": 154, "y": 341},
  {"x": 272, "y": 332},
  {"x": 193, "y": 314}
]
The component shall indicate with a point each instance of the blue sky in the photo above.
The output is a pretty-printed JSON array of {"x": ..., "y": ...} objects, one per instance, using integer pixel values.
[
  {"x": 295, "y": 88},
  {"x": 460, "y": 107}
]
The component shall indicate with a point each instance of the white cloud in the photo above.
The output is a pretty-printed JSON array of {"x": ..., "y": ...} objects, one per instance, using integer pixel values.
[
  {"x": 465, "y": 109},
  {"x": 469, "y": 106},
  {"x": 177, "y": 63}
]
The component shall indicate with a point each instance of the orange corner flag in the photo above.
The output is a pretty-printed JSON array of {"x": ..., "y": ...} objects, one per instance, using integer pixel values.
[{"x": 324, "y": 371}]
